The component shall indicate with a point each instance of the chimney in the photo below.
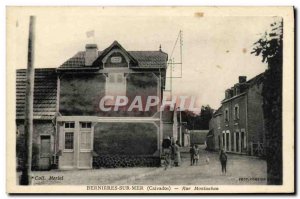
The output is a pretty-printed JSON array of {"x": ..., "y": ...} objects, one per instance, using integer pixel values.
[
  {"x": 91, "y": 54},
  {"x": 242, "y": 79}
]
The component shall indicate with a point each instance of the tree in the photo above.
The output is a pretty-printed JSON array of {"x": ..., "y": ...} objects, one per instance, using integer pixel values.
[
  {"x": 269, "y": 46},
  {"x": 198, "y": 121},
  {"x": 205, "y": 116}
]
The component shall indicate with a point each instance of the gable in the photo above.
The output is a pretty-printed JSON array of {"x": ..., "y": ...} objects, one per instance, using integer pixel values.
[
  {"x": 115, "y": 56},
  {"x": 138, "y": 59},
  {"x": 115, "y": 59}
]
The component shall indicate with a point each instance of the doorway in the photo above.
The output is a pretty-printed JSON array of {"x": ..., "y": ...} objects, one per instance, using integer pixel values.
[{"x": 45, "y": 153}]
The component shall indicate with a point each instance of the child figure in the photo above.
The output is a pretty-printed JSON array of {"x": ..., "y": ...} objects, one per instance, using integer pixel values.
[{"x": 196, "y": 155}]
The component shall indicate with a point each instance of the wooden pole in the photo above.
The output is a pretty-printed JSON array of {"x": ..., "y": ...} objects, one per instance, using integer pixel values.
[{"x": 28, "y": 121}]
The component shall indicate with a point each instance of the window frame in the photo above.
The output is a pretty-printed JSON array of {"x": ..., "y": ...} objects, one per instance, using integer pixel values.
[
  {"x": 236, "y": 112},
  {"x": 109, "y": 84},
  {"x": 69, "y": 127},
  {"x": 65, "y": 149},
  {"x": 226, "y": 118}
]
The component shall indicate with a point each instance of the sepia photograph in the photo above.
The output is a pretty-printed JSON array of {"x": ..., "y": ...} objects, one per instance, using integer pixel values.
[{"x": 150, "y": 100}]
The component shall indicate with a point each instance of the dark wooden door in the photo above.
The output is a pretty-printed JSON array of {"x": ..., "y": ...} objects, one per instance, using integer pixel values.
[{"x": 45, "y": 153}]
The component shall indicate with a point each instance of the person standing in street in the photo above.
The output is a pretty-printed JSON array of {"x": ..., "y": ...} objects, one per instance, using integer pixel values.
[
  {"x": 166, "y": 145},
  {"x": 177, "y": 158},
  {"x": 192, "y": 153},
  {"x": 223, "y": 160},
  {"x": 196, "y": 155}
]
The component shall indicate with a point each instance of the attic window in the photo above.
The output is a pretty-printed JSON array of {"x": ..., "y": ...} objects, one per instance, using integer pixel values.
[{"x": 116, "y": 60}]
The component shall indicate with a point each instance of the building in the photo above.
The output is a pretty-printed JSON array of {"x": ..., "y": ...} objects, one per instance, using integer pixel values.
[
  {"x": 175, "y": 127},
  {"x": 213, "y": 138},
  {"x": 238, "y": 125},
  {"x": 77, "y": 126}
]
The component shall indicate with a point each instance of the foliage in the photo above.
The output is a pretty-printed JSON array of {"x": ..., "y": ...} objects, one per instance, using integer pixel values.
[
  {"x": 198, "y": 122},
  {"x": 269, "y": 46}
]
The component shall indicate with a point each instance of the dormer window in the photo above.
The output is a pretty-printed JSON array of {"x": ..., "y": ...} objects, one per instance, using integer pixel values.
[{"x": 116, "y": 59}]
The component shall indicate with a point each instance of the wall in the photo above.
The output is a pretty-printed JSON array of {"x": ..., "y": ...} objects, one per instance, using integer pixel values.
[
  {"x": 255, "y": 115},
  {"x": 80, "y": 94},
  {"x": 42, "y": 127},
  {"x": 235, "y": 125},
  {"x": 126, "y": 144},
  {"x": 214, "y": 143}
]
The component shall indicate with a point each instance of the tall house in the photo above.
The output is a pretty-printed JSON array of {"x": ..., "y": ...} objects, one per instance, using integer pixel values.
[
  {"x": 238, "y": 125},
  {"x": 75, "y": 128}
]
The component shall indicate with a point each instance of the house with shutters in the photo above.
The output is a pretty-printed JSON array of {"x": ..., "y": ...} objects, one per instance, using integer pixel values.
[
  {"x": 238, "y": 125},
  {"x": 74, "y": 128}
]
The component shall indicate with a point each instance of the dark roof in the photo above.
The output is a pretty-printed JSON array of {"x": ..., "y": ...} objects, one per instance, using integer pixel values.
[
  {"x": 145, "y": 59},
  {"x": 45, "y": 93},
  {"x": 258, "y": 79},
  {"x": 218, "y": 112}
]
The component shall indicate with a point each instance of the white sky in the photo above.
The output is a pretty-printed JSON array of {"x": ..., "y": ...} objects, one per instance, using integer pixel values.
[{"x": 216, "y": 49}]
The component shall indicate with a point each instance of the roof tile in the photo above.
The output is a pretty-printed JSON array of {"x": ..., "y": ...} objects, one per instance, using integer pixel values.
[{"x": 45, "y": 93}]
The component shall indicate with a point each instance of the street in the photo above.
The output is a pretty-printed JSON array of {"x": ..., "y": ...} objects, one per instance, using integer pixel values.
[{"x": 240, "y": 170}]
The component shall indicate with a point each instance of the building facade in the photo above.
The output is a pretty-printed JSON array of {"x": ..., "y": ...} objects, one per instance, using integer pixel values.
[
  {"x": 238, "y": 125},
  {"x": 92, "y": 110}
]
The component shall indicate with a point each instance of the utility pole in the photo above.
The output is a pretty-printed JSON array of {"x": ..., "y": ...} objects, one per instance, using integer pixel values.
[{"x": 28, "y": 121}]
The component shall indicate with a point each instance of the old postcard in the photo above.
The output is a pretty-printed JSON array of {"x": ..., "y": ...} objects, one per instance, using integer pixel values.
[{"x": 150, "y": 100}]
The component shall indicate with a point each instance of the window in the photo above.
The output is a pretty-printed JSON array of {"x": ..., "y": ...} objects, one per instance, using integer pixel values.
[
  {"x": 85, "y": 135},
  {"x": 236, "y": 112},
  {"x": 223, "y": 140},
  {"x": 226, "y": 115},
  {"x": 85, "y": 125},
  {"x": 69, "y": 135},
  {"x": 115, "y": 86},
  {"x": 69, "y": 140},
  {"x": 69, "y": 125}
]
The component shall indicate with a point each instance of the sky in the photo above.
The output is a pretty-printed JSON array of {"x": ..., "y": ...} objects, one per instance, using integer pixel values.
[{"x": 216, "y": 49}]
